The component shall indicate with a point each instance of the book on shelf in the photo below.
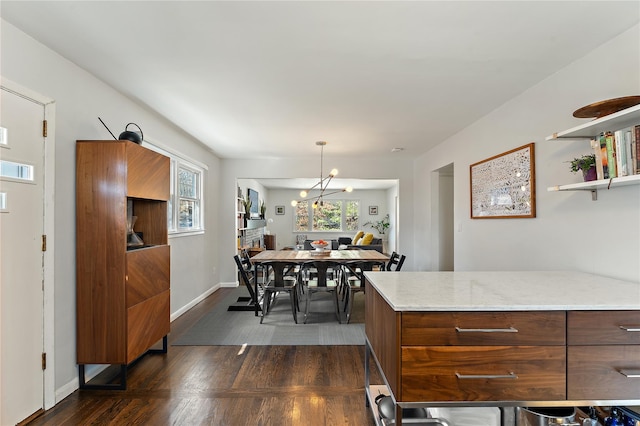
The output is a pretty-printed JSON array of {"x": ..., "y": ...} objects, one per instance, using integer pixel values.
[
  {"x": 611, "y": 154},
  {"x": 604, "y": 158},
  {"x": 620, "y": 152},
  {"x": 629, "y": 167},
  {"x": 597, "y": 152}
]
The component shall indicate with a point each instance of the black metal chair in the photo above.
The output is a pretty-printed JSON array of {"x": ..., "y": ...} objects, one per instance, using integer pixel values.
[
  {"x": 395, "y": 262},
  {"x": 354, "y": 280},
  {"x": 246, "y": 277},
  {"x": 282, "y": 278},
  {"x": 325, "y": 280}
]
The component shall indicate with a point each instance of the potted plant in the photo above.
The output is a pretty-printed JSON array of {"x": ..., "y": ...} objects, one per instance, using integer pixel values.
[
  {"x": 380, "y": 225},
  {"x": 263, "y": 209},
  {"x": 246, "y": 202},
  {"x": 586, "y": 164}
]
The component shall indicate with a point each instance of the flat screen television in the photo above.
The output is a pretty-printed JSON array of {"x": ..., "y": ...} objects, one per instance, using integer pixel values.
[{"x": 255, "y": 207}]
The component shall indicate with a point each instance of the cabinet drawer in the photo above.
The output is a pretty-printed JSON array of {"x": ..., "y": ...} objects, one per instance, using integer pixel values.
[
  {"x": 147, "y": 322},
  {"x": 483, "y": 328},
  {"x": 603, "y": 328},
  {"x": 148, "y": 273},
  {"x": 483, "y": 373},
  {"x": 601, "y": 372}
]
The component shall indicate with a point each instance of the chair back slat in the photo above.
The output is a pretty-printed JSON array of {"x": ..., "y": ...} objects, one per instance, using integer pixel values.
[
  {"x": 321, "y": 270},
  {"x": 395, "y": 262},
  {"x": 282, "y": 273}
]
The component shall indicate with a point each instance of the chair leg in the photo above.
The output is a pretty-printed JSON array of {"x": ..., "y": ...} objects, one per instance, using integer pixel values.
[
  {"x": 351, "y": 295},
  {"x": 293, "y": 298},
  {"x": 347, "y": 296},
  {"x": 335, "y": 297},
  {"x": 306, "y": 310},
  {"x": 265, "y": 304}
]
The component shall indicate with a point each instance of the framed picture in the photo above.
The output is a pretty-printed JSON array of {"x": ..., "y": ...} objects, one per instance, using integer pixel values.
[
  {"x": 253, "y": 197},
  {"x": 504, "y": 186},
  {"x": 373, "y": 210},
  {"x": 279, "y": 209}
]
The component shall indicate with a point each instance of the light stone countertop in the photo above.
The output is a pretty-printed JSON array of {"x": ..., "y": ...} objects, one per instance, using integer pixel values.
[{"x": 504, "y": 291}]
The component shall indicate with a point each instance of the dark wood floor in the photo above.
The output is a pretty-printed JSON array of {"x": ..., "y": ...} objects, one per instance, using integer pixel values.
[{"x": 222, "y": 385}]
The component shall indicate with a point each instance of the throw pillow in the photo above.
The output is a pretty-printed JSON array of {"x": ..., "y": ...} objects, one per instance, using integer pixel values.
[
  {"x": 366, "y": 240},
  {"x": 357, "y": 238}
]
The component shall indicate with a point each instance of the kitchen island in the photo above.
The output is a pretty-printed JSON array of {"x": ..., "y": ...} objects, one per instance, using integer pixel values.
[{"x": 504, "y": 339}]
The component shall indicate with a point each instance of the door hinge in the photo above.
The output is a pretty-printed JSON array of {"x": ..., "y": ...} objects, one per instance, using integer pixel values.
[
  {"x": 44, "y": 243},
  {"x": 44, "y": 128},
  {"x": 44, "y": 360}
]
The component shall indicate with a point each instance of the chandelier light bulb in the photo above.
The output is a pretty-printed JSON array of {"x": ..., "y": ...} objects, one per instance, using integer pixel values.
[
  {"x": 349, "y": 189},
  {"x": 294, "y": 203},
  {"x": 303, "y": 194},
  {"x": 333, "y": 172}
]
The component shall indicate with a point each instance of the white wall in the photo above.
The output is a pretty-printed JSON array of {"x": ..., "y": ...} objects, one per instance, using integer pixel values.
[
  {"x": 570, "y": 231},
  {"x": 80, "y": 98}
]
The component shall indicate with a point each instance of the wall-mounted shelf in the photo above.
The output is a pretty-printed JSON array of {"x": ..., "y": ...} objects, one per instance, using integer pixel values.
[
  {"x": 619, "y": 120},
  {"x": 594, "y": 185},
  {"x": 625, "y": 118}
]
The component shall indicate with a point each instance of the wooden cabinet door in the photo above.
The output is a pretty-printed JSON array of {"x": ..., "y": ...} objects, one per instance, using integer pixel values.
[{"x": 148, "y": 173}]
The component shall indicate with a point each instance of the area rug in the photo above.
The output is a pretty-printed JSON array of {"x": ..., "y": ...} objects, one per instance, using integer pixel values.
[{"x": 220, "y": 327}]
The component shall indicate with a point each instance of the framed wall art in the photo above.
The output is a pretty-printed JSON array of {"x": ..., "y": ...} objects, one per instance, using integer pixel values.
[
  {"x": 279, "y": 209},
  {"x": 373, "y": 210},
  {"x": 504, "y": 186}
]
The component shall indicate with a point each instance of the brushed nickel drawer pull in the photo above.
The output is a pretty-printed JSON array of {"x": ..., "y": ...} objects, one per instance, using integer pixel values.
[
  {"x": 635, "y": 374},
  {"x": 511, "y": 375},
  {"x": 487, "y": 330},
  {"x": 630, "y": 327}
]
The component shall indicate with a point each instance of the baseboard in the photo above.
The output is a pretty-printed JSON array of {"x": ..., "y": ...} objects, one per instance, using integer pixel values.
[
  {"x": 200, "y": 298},
  {"x": 193, "y": 303}
]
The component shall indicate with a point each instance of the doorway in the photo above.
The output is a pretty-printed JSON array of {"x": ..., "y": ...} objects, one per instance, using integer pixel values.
[
  {"x": 442, "y": 217},
  {"x": 27, "y": 263}
]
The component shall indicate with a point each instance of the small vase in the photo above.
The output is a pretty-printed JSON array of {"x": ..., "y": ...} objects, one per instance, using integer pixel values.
[{"x": 590, "y": 174}]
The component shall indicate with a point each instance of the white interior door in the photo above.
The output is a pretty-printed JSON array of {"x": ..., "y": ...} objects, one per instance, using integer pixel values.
[{"x": 21, "y": 256}]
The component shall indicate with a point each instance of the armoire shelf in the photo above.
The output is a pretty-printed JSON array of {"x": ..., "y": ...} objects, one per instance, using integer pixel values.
[
  {"x": 612, "y": 122},
  {"x": 122, "y": 295}
]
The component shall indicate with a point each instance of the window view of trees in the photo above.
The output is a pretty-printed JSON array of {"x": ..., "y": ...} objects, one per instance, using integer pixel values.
[
  {"x": 352, "y": 218},
  {"x": 332, "y": 215},
  {"x": 328, "y": 216},
  {"x": 302, "y": 216}
]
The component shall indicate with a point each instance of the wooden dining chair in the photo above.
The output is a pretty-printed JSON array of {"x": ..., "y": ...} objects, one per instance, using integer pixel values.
[
  {"x": 283, "y": 277},
  {"x": 326, "y": 280}
]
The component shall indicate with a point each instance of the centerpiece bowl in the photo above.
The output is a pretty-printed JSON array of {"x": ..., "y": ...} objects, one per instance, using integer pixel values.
[{"x": 320, "y": 245}]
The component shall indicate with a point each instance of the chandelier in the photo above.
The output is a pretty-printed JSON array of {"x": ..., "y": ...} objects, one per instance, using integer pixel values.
[{"x": 322, "y": 185}]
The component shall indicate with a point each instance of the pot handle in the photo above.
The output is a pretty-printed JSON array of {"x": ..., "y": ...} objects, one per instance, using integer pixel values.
[{"x": 141, "y": 135}]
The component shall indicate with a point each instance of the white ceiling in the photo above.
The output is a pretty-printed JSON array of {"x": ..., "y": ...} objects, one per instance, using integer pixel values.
[{"x": 268, "y": 79}]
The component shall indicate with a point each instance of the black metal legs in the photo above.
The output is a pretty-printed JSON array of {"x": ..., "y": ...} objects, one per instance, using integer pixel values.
[{"x": 119, "y": 380}]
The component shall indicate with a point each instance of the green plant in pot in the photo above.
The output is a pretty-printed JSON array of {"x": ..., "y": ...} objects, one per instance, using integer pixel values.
[
  {"x": 263, "y": 209},
  {"x": 246, "y": 202},
  {"x": 586, "y": 164},
  {"x": 380, "y": 225}
]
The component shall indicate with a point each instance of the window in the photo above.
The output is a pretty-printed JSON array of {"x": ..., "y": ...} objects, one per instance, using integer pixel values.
[
  {"x": 188, "y": 198},
  {"x": 17, "y": 171},
  {"x": 333, "y": 215},
  {"x": 185, "y": 206}
]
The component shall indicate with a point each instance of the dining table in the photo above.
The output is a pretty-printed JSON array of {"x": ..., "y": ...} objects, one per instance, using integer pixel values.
[{"x": 302, "y": 256}]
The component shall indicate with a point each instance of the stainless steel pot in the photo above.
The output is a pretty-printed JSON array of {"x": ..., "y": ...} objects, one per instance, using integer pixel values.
[{"x": 543, "y": 416}]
